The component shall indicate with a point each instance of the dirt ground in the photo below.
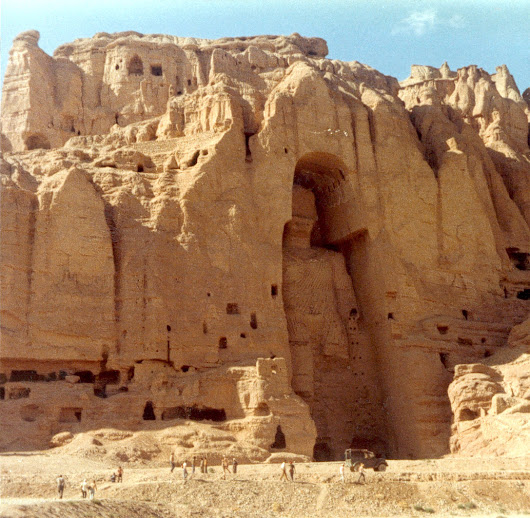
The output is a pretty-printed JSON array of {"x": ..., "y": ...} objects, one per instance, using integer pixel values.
[{"x": 445, "y": 487}]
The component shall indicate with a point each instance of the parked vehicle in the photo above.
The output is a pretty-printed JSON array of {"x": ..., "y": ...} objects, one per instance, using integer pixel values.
[{"x": 354, "y": 458}]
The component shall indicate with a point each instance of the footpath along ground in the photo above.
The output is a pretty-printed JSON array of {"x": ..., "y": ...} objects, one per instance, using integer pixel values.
[{"x": 444, "y": 487}]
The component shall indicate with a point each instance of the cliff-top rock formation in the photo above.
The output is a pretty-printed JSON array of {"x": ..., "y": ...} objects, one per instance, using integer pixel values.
[{"x": 295, "y": 250}]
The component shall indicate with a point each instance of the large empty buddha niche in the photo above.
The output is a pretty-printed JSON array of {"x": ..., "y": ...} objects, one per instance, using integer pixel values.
[
  {"x": 332, "y": 363},
  {"x": 135, "y": 66}
]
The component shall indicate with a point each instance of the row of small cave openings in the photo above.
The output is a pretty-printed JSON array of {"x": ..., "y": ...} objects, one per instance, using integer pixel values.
[
  {"x": 196, "y": 413},
  {"x": 100, "y": 381},
  {"x": 232, "y": 308},
  {"x": 135, "y": 67}
]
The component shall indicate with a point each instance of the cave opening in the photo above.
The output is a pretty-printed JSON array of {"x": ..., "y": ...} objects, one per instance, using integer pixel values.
[
  {"x": 135, "y": 66},
  {"x": 70, "y": 415},
  {"x": 520, "y": 260},
  {"x": 156, "y": 70},
  {"x": 110, "y": 377},
  {"x": 466, "y": 414},
  {"x": 279, "y": 440},
  {"x": 325, "y": 263},
  {"x": 149, "y": 412},
  {"x": 194, "y": 413},
  {"x": 524, "y": 294},
  {"x": 86, "y": 376},
  {"x": 37, "y": 142}
]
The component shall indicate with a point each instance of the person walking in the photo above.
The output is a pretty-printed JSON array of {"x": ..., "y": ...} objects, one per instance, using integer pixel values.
[
  {"x": 172, "y": 461},
  {"x": 193, "y": 462},
  {"x": 92, "y": 490},
  {"x": 341, "y": 472},
  {"x": 185, "y": 472},
  {"x": 120, "y": 474},
  {"x": 205, "y": 465},
  {"x": 234, "y": 465},
  {"x": 291, "y": 470},
  {"x": 284, "y": 472},
  {"x": 83, "y": 488},
  {"x": 226, "y": 469},
  {"x": 202, "y": 465},
  {"x": 60, "y": 485},
  {"x": 361, "y": 474}
]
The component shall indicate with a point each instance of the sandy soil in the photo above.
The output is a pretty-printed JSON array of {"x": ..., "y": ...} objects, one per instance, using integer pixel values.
[{"x": 444, "y": 487}]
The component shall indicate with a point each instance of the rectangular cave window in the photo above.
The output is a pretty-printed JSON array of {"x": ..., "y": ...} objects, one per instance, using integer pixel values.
[
  {"x": 253, "y": 321},
  {"x": 232, "y": 308},
  {"x": 464, "y": 341},
  {"x": 274, "y": 290},
  {"x": 70, "y": 415},
  {"x": 19, "y": 393},
  {"x": 2, "y": 393},
  {"x": 194, "y": 413},
  {"x": 85, "y": 376},
  {"x": 26, "y": 375},
  {"x": 223, "y": 342},
  {"x": 111, "y": 377},
  {"x": 156, "y": 70}
]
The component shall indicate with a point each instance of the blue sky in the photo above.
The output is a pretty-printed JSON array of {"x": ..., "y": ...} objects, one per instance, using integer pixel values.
[{"x": 388, "y": 35}]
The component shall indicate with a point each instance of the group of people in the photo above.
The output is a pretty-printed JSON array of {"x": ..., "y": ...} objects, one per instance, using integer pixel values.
[
  {"x": 117, "y": 476},
  {"x": 283, "y": 469},
  {"x": 203, "y": 465},
  {"x": 88, "y": 489}
]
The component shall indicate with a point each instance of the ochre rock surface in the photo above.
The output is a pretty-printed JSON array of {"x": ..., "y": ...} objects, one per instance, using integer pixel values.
[
  {"x": 491, "y": 403},
  {"x": 295, "y": 250}
]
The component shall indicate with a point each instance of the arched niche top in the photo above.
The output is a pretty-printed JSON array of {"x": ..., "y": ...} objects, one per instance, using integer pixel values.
[
  {"x": 328, "y": 178},
  {"x": 135, "y": 66},
  {"x": 319, "y": 171}
]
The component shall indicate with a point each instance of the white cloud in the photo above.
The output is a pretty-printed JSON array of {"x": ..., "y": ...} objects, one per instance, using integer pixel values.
[
  {"x": 418, "y": 22},
  {"x": 457, "y": 21},
  {"x": 422, "y": 22}
]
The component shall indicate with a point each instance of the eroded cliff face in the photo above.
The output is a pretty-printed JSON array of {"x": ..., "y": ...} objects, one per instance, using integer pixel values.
[{"x": 198, "y": 206}]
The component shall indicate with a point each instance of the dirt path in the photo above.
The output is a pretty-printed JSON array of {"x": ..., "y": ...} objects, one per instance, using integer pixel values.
[{"x": 444, "y": 487}]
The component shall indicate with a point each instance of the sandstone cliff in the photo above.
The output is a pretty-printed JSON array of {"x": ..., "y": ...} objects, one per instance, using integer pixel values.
[{"x": 178, "y": 214}]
